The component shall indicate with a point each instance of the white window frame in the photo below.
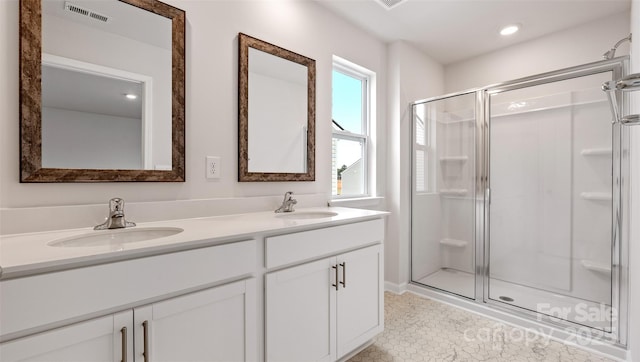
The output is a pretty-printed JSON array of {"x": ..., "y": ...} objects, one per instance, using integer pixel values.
[
  {"x": 368, "y": 109},
  {"x": 429, "y": 152}
]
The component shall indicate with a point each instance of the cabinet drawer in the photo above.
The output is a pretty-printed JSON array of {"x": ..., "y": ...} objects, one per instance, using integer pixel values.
[
  {"x": 46, "y": 299},
  {"x": 291, "y": 248}
]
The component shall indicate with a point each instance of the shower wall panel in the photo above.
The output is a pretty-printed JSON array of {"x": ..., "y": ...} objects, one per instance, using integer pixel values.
[{"x": 531, "y": 194}]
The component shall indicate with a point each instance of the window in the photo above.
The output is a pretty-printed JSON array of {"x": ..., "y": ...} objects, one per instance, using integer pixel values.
[
  {"x": 424, "y": 148},
  {"x": 351, "y": 111}
]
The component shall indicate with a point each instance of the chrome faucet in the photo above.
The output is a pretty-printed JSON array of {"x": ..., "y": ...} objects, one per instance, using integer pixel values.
[
  {"x": 116, "y": 216},
  {"x": 287, "y": 203}
]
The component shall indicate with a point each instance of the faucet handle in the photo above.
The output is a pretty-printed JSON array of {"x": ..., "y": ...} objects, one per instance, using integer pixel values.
[
  {"x": 115, "y": 219},
  {"x": 116, "y": 204}
]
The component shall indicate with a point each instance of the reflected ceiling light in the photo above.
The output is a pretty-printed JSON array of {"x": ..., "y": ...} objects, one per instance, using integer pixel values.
[
  {"x": 509, "y": 29},
  {"x": 390, "y": 4},
  {"x": 131, "y": 96}
]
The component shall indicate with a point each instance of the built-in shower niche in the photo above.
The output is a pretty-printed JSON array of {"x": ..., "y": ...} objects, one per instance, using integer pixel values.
[{"x": 443, "y": 202}]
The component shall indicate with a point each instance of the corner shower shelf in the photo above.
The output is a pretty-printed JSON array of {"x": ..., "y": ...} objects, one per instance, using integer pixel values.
[
  {"x": 453, "y": 242},
  {"x": 453, "y": 192},
  {"x": 596, "y": 152},
  {"x": 595, "y": 266},
  {"x": 596, "y": 196},
  {"x": 454, "y": 159}
]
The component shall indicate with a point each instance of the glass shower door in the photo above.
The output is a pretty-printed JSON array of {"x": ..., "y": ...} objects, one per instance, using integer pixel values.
[
  {"x": 443, "y": 189},
  {"x": 551, "y": 210}
]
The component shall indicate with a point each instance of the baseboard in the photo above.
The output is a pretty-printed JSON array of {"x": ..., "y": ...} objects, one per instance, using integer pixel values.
[{"x": 395, "y": 288}]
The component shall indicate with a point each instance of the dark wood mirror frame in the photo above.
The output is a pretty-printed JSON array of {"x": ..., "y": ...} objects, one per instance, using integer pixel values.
[
  {"x": 31, "y": 169},
  {"x": 244, "y": 43}
]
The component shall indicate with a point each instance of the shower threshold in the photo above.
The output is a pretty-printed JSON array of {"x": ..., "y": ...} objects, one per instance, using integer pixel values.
[{"x": 583, "y": 312}]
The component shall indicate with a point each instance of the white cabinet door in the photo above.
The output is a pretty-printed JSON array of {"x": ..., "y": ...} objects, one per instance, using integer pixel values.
[
  {"x": 99, "y": 339},
  {"x": 360, "y": 310},
  {"x": 217, "y": 324},
  {"x": 300, "y": 313}
]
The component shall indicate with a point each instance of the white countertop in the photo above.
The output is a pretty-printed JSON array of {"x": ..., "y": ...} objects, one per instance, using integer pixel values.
[{"x": 29, "y": 253}]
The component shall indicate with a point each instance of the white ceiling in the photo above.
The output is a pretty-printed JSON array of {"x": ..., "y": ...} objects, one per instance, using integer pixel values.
[
  {"x": 454, "y": 30},
  {"x": 124, "y": 19},
  {"x": 86, "y": 92}
]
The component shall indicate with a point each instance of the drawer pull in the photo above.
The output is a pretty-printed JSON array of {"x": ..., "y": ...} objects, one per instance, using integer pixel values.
[
  {"x": 145, "y": 333},
  {"x": 335, "y": 267},
  {"x": 123, "y": 332},
  {"x": 344, "y": 274}
]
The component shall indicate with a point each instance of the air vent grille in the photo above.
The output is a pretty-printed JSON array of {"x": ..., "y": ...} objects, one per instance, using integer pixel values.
[
  {"x": 85, "y": 12},
  {"x": 99, "y": 17},
  {"x": 390, "y": 4}
]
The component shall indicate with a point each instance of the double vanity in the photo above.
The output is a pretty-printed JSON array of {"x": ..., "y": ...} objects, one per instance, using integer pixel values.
[{"x": 298, "y": 286}]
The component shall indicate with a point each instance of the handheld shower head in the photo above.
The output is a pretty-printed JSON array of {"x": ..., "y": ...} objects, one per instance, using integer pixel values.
[{"x": 611, "y": 53}]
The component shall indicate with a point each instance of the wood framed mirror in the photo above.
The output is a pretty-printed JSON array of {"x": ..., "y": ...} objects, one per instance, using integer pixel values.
[
  {"x": 75, "y": 122},
  {"x": 276, "y": 113}
]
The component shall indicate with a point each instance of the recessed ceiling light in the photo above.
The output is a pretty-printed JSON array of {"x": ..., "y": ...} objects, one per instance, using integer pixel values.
[
  {"x": 131, "y": 96},
  {"x": 509, "y": 29}
]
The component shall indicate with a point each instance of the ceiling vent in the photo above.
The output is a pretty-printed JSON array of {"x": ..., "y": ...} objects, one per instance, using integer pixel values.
[
  {"x": 390, "y": 4},
  {"x": 85, "y": 12}
]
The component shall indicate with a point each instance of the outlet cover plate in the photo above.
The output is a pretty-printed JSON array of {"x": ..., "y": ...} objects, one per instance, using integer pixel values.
[{"x": 213, "y": 167}]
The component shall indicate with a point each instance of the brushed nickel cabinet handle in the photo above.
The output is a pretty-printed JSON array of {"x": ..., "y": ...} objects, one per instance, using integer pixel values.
[
  {"x": 123, "y": 332},
  {"x": 344, "y": 274},
  {"x": 145, "y": 333},
  {"x": 337, "y": 277}
]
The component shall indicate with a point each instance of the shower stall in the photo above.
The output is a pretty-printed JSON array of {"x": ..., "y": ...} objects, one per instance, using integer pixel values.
[{"x": 518, "y": 198}]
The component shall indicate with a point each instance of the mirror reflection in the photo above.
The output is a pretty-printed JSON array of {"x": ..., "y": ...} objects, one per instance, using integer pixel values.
[
  {"x": 106, "y": 91},
  {"x": 276, "y": 113}
]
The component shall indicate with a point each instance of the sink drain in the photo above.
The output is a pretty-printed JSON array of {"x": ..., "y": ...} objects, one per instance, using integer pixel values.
[{"x": 506, "y": 299}]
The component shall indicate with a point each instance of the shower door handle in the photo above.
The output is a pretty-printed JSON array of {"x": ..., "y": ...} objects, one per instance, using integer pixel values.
[{"x": 488, "y": 195}]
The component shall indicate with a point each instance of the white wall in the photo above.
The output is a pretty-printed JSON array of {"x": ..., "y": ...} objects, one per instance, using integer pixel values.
[
  {"x": 277, "y": 124},
  {"x": 211, "y": 101},
  {"x": 90, "y": 140},
  {"x": 634, "y": 252},
  {"x": 575, "y": 46},
  {"x": 412, "y": 75}
]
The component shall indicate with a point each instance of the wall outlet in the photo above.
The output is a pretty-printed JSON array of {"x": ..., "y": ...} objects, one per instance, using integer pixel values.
[{"x": 213, "y": 167}]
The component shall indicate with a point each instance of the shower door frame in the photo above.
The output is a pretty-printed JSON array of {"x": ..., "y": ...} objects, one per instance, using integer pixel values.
[
  {"x": 618, "y": 291},
  {"x": 620, "y": 222}
]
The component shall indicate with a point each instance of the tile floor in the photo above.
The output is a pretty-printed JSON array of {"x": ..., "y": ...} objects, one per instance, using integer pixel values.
[{"x": 419, "y": 329}]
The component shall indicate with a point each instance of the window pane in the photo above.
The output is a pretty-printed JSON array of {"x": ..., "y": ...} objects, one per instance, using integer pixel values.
[
  {"x": 347, "y": 103},
  {"x": 348, "y": 167},
  {"x": 420, "y": 180},
  {"x": 420, "y": 131}
]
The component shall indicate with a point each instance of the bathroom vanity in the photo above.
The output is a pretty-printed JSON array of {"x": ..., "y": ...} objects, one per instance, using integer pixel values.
[{"x": 301, "y": 286}]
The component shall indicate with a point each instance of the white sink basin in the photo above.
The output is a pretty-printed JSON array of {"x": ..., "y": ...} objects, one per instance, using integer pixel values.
[
  {"x": 306, "y": 215},
  {"x": 114, "y": 237}
]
